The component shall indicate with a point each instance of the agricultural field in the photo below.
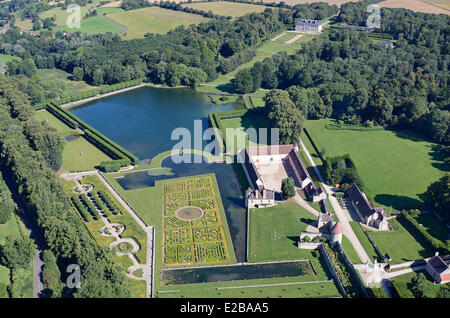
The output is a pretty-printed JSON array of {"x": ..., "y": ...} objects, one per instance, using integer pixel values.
[
  {"x": 153, "y": 20},
  {"x": 94, "y": 24},
  {"x": 78, "y": 154},
  {"x": 294, "y": 2},
  {"x": 197, "y": 240},
  {"x": 396, "y": 166},
  {"x": 233, "y": 9},
  {"x": 61, "y": 15},
  {"x": 426, "y": 6}
]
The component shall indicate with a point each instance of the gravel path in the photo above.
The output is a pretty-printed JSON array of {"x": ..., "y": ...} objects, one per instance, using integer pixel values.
[{"x": 348, "y": 231}]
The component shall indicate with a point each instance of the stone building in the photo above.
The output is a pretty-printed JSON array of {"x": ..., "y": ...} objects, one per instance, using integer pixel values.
[
  {"x": 308, "y": 26},
  {"x": 438, "y": 269},
  {"x": 368, "y": 214}
]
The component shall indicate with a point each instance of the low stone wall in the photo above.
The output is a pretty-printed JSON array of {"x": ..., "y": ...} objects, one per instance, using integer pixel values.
[
  {"x": 308, "y": 246},
  {"x": 353, "y": 270}
]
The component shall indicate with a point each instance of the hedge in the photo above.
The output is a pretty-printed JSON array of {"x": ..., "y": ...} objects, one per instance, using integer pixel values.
[
  {"x": 106, "y": 144},
  {"x": 434, "y": 242},
  {"x": 91, "y": 208},
  {"x": 81, "y": 209},
  {"x": 109, "y": 203},
  {"x": 100, "y": 203}
]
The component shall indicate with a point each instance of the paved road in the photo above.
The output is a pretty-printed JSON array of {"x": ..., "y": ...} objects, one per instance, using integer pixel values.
[
  {"x": 348, "y": 231},
  {"x": 406, "y": 271}
]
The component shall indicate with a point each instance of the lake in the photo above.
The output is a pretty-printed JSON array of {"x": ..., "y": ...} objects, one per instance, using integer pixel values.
[{"x": 142, "y": 121}]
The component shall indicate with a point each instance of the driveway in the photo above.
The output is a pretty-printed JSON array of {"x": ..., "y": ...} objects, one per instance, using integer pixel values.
[{"x": 348, "y": 231}]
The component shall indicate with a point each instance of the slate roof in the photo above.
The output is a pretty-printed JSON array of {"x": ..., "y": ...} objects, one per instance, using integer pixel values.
[
  {"x": 308, "y": 22},
  {"x": 438, "y": 264},
  {"x": 363, "y": 205}
]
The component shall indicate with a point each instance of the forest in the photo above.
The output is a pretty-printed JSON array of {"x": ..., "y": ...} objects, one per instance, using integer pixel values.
[{"x": 348, "y": 76}]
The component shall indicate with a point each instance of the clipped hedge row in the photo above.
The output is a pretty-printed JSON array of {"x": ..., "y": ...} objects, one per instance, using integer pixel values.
[
  {"x": 101, "y": 141},
  {"x": 54, "y": 110},
  {"x": 99, "y": 203},
  {"x": 109, "y": 203},
  {"x": 91, "y": 208},
  {"x": 219, "y": 137},
  {"x": 434, "y": 242},
  {"x": 81, "y": 210}
]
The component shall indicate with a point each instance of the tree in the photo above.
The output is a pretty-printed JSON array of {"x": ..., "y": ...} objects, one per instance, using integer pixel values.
[
  {"x": 288, "y": 188},
  {"x": 17, "y": 252},
  {"x": 381, "y": 107},
  {"x": 437, "y": 196},
  {"x": 51, "y": 275},
  {"x": 78, "y": 74}
]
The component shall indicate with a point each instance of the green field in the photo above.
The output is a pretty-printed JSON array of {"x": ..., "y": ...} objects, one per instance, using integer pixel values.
[
  {"x": 61, "y": 15},
  {"x": 8, "y": 58},
  {"x": 95, "y": 24},
  {"x": 78, "y": 155},
  {"x": 153, "y": 20},
  {"x": 396, "y": 166},
  {"x": 350, "y": 251},
  {"x": 233, "y": 9},
  {"x": 399, "y": 243},
  {"x": 274, "y": 232}
]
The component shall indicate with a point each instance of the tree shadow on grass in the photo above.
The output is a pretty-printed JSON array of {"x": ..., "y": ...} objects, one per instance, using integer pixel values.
[
  {"x": 399, "y": 202},
  {"x": 294, "y": 239},
  {"x": 226, "y": 88}
]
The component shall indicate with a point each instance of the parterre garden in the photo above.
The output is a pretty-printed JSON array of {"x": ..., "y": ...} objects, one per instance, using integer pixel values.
[{"x": 199, "y": 241}]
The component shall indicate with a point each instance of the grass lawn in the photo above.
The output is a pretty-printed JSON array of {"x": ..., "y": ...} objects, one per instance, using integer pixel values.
[
  {"x": 72, "y": 159},
  {"x": 433, "y": 226},
  {"x": 10, "y": 228},
  {"x": 274, "y": 232},
  {"x": 8, "y": 58},
  {"x": 241, "y": 124},
  {"x": 132, "y": 229},
  {"x": 359, "y": 232},
  {"x": 4, "y": 275},
  {"x": 396, "y": 166},
  {"x": 399, "y": 243},
  {"x": 350, "y": 251},
  {"x": 94, "y": 24},
  {"x": 153, "y": 20},
  {"x": 233, "y": 9}
]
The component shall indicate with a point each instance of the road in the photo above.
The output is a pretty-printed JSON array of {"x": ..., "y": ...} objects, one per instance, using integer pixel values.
[{"x": 348, "y": 231}]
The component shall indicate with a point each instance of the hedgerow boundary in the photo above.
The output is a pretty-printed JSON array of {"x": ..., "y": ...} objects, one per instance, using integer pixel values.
[{"x": 121, "y": 156}]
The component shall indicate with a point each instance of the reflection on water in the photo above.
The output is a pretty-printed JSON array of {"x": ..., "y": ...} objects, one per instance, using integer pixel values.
[
  {"x": 235, "y": 272},
  {"x": 232, "y": 198}
]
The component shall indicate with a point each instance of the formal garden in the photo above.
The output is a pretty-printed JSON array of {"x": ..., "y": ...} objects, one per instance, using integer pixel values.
[{"x": 193, "y": 228}]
